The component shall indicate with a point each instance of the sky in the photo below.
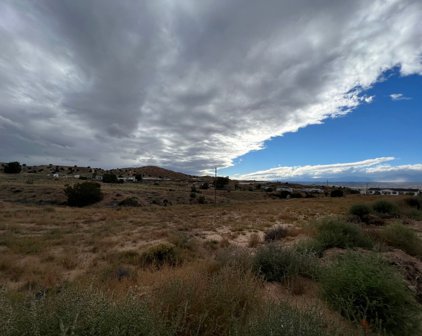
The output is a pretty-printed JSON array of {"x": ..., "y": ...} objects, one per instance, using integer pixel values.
[{"x": 274, "y": 89}]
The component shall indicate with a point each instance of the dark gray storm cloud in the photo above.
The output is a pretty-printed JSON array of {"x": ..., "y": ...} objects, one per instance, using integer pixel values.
[{"x": 187, "y": 84}]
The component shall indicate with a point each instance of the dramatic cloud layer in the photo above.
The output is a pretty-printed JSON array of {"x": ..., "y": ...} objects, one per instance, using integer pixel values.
[
  {"x": 187, "y": 84},
  {"x": 368, "y": 170}
]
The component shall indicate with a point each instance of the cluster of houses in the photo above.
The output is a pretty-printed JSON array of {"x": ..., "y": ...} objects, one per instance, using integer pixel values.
[
  {"x": 100, "y": 177},
  {"x": 392, "y": 191}
]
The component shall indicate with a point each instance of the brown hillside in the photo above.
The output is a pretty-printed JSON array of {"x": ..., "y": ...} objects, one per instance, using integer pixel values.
[{"x": 153, "y": 171}]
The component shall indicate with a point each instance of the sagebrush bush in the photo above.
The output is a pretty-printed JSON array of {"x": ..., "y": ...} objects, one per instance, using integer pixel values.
[
  {"x": 402, "y": 237},
  {"x": 130, "y": 202},
  {"x": 82, "y": 194},
  {"x": 365, "y": 289},
  {"x": 12, "y": 168},
  {"x": 337, "y": 193},
  {"x": 110, "y": 178},
  {"x": 161, "y": 254},
  {"x": 276, "y": 263},
  {"x": 360, "y": 210},
  {"x": 385, "y": 208},
  {"x": 310, "y": 246},
  {"x": 275, "y": 233},
  {"x": 413, "y": 202},
  {"x": 335, "y": 232}
]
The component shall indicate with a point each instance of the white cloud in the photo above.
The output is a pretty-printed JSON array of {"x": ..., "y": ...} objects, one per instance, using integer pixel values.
[
  {"x": 368, "y": 99},
  {"x": 398, "y": 96},
  {"x": 187, "y": 84},
  {"x": 371, "y": 169}
]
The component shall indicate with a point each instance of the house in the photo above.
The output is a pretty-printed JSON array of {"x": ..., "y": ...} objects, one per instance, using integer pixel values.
[
  {"x": 313, "y": 191},
  {"x": 393, "y": 191},
  {"x": 279, "y": 189}
]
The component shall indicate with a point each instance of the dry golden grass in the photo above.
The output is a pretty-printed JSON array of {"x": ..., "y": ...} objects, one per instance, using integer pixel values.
[
  {"x": 44, "y": 244},
  {"x": 64, "y": 243}
]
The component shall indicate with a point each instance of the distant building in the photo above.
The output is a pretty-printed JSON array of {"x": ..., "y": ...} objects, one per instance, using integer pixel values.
[
  {"x": 289, "y": 190},
  {"x": 393, "y": 191},
  {"x": 313, "y": 191}
]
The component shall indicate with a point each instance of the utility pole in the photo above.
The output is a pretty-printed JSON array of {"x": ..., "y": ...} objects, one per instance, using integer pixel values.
[{"x": 215, "y": 187}]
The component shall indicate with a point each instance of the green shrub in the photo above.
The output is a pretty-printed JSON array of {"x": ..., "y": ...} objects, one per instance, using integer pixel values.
[
  {"x": 204, "y": 185},
  {"x": 414, "y": 214},
  {"x": 221, "y": 182},
  {"x": 334, "y": 232},
  {"x": 384, "y": 207},
  {"x": 310, "y": 246},
  {"x": 275, "y": 263},
  {"x": 402, "y": 237},
  {"x": 82, "y": 194},
  {"x": 336, "y": 193},
  {"x": 413, "y": 202},
  {"x": 275, "y": 233},
  {"x": 360, "y": 210},
  {"x": 12, "y": 168},
  {"x": 130, "y": 202},
  {"x": 366, "y": 288},
  {"x": 161, "y": 254},
  {"x": 110, "y": 178},
  {"x": 283, "y": 320}
]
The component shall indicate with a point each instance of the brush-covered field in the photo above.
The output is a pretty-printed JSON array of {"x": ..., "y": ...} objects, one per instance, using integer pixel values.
[{"x": 162, "y": 259}]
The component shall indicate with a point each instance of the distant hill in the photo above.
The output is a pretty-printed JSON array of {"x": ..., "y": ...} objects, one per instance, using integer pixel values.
[
  {"x": 147, "y": 171},
  {"x": 153, "y": 171}
]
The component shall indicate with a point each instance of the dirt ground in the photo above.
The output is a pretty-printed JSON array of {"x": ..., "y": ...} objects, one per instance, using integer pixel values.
[{"x": 44, "y": 243}]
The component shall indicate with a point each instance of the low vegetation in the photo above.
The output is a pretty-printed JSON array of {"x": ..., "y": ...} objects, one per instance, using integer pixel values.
[
  {"x": 12, "y": 168},
  {"x": 213, "y": 303},
  {"x": 275, "y": 233},
  {"x": 110, "y": 178},
  {"x": 337, "y": 193},
  {"x": 160, "y": 255},
  {"x": 132, "y": 266},
  {"x": 414, "y": 202},
  {"x": 276, "y": 263},
  {"x": 404, "y": 238},
  {"x": 361, "y": 211},
  {"x": 385, "y": 208},
  {"x": 284, "y": 320},
  {"x": 76, "y": 311},
  {"x": 82, "y": 194},
  {"x": 366, "y": 290},
  {"x": 335, "y": 232}
]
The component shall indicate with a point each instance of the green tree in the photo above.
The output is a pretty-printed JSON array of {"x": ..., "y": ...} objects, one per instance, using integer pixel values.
[
  {"x": 110, "y": 178},
  {"x": 337, "y": 193},
  {"x": 12, "y": 168},
  {"x": 221, "y": 182},
  {"x": 82, "y": 194}
]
